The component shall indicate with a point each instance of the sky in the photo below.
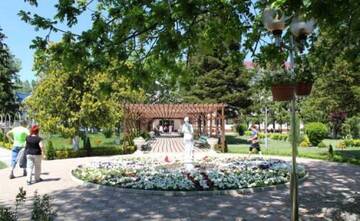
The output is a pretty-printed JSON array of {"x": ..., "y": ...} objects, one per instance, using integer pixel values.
[{"x": 19, "y": 34}]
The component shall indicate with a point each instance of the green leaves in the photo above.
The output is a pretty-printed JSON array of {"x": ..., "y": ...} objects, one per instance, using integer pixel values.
[
  {"x": 32, "y": 2},
  {"x": 278, "y": 3},
  {"x": 9, "y": 67},
  {"x": 79, "y": 97}
]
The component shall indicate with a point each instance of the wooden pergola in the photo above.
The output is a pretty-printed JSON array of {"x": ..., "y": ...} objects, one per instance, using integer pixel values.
[{"x": 207, "y": 119}]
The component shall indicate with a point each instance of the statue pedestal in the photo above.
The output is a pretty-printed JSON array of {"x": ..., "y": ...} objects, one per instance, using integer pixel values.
[
  {"x": 212, "y": 142},
  {"x": 189, "y": 165},
  {"x": 139, "y": 142}
]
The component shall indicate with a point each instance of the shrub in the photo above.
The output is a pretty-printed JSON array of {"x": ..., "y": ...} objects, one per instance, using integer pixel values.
[
  {"x": 98, "y": 142},
  {"x": 341, "y": 145},
  {"x": 348, "y": 141},
  {"x": 352, "y": 142},
  {"x": 41, "y": 208},
  {"x": 316, "y": 132},
  {"x": 305, "y": 142},
  {"x": 241, "y": 128},
  {"x": 356, "y": 142},
  {"x": 108, "y": 132},
  {"x": 129, "y": 149},
  {"x": 260, "y": 135},
  {"x": 247, "y": 133},
  {"x": 278, "y": 136},
  {"x": 1, "y": 137},
  {"x": 50, "y": 151},
  {"x": 321, "y": 145},
  {"x": 62, "y": 154},
  {"x": 6, "y": 145},
  {"x": 100, "y": 151},
  {"x": 351, "y": 126}
]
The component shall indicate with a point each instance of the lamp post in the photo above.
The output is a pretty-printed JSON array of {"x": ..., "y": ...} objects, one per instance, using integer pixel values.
[{"x": 274, "y": 21}]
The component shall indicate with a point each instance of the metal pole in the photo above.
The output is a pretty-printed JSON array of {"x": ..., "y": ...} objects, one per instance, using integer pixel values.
[
  {"x": 266, "y": 131},
  {"x": 293, "y": 176}
]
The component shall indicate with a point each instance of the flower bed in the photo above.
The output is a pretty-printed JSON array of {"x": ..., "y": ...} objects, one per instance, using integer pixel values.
[{"x": 210, "y": 173}]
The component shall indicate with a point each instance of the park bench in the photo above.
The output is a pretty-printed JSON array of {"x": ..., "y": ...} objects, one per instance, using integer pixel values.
[{"x": 201, "y": 142}]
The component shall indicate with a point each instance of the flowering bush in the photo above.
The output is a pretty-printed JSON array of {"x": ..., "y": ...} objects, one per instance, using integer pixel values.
[{"x": 210, "y": 173}]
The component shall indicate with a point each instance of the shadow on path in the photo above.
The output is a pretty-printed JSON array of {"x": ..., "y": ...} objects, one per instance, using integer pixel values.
[{"x": 331, "y": 192}]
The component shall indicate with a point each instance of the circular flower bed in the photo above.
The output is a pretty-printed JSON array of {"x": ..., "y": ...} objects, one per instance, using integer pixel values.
[{"x": 210, "y": 173}]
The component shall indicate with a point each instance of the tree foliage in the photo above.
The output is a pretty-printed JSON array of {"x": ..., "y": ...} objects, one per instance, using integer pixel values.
[
  {"x": 124, "y": 30},
  {"x": 167, "y": 47},
  {"x": 65, "y": 101},
  {"x": 220, "y": 80},
  {"x": 9, "y": 67}
]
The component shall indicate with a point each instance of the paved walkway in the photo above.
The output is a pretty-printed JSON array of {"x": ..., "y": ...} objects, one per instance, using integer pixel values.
[
  {"x": 331, "y": 192},
  {"x": 5, "y": 156},
  {"x": 170, "y": 145}
]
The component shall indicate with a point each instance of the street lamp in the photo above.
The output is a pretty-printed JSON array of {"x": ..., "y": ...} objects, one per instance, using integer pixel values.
[{"x": 274, "y": 21}]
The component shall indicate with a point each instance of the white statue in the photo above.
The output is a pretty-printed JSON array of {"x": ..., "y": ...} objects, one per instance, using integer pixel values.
[{"x": 187, "y": 130}]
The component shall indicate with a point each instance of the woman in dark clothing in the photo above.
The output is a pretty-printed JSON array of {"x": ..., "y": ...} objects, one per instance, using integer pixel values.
[{"x": 34, "y": 150}]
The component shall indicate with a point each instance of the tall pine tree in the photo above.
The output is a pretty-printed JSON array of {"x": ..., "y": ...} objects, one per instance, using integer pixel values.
[
  {"x": 220, "y": 77},
  {"x": 8, "y": 69}
]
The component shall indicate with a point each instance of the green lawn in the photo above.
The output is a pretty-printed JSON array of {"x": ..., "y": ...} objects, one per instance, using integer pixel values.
[
  {"x": 97, "y": 140},
  {"x": 2, "y": 165},
  {"x": 237, "y": 144}
]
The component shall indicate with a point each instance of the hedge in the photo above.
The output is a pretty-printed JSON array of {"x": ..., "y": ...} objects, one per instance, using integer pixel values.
[
  {"x": 6, "y": 145},
  {"x": 273, "y": 136},
  {"x": 352, "y": 142},
  {"x": 316, "y": 132},
  {"x": 100, "y": 151}
]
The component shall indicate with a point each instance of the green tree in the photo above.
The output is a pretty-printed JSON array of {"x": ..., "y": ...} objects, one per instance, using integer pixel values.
[
  {"x": 220, "y": 80},
  {"x": 9, "y": 67},
  {"x": 23, "y": 86},
  {"x": 134, "y": 30},
  {"x": 67, "y": 100}
]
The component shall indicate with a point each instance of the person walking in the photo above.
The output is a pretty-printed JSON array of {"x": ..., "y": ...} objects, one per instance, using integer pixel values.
[
  {"x": 34, "y": 149},
  {"x": 254, "y": 139},
  {"x": 18, "y": 136}
]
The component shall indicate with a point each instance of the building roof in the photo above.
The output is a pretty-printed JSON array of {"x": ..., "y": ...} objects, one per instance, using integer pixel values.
[
  {"x": 171, "y": 111},
  {"x": 20, "y": 96}
]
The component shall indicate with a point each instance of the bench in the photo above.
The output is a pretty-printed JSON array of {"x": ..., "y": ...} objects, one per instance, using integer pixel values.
[{"x": 201, "y": 142}]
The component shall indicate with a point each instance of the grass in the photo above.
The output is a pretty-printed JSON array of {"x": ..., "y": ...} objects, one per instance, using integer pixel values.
[
  {"x": 237, "y": 144},
  {"x": 2, "y": 165},
  {"x": 97, "y": 140}
]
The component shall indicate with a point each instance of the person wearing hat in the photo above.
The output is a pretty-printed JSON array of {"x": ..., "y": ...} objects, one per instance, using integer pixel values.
[
  {"x": 17, "y": 135},
  {"x": 34, "y": 149}
]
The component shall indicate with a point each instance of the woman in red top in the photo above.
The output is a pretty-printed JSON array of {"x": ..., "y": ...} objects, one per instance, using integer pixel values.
[{"x": 34, "y": 149}]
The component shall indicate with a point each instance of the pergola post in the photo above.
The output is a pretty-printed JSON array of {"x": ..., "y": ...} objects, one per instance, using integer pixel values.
[
  {"x": 139, "y": 116},
  {"x": 125, "y": 122},
  {"x": 205, "y": 123},
  {"x": 223, "y": 129},
  {"x": 211, "y": 121}
]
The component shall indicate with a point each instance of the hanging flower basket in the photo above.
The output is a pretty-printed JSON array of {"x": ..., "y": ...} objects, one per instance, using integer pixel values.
[
  {"x": 303, "y": 88},
  {"x": 282, "y": 92}
]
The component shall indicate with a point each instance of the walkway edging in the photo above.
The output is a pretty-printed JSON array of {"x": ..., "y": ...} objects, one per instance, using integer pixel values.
[{"x": 185, "y": 193}]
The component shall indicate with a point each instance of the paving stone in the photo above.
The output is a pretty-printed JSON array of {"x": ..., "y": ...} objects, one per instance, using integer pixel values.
[{"x": 331, "y": 191}]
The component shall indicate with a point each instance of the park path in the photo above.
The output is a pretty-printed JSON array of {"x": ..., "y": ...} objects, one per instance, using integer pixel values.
[
  {"x": 171, "y": 145},
  {"x": 5, "y": 156},
  {"x": 331, "y": 192}
]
